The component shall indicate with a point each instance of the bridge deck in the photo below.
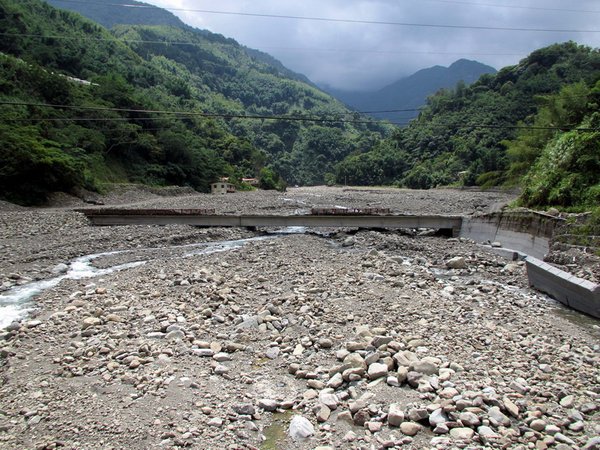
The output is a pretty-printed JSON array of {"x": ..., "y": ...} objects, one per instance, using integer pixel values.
[{"x": 106, "y": 217}]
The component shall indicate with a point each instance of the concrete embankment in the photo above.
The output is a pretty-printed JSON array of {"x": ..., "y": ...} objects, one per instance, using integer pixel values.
[{"x": 528, "y": 234}]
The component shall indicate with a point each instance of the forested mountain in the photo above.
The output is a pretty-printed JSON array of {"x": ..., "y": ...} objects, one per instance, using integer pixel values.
[
  {"x": 462, "y": 136},
  {"x": 412, "y": 92},
  {"x": 59, "y": 132},
  {"x": 107, "y": 14}
]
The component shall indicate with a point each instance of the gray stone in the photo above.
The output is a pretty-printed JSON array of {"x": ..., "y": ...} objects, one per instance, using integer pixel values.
[
  {"x": 374, "y": 427},
  {"x": 405, "y": 358},
  {"x": 300, "y": 428},
  {"x": 564, "y": 439},
  {"x": 438, "y": 416},
  {"x": 567, "y": 401},
  {"x": 325, "y": 343},
  {"x": 175, "y": 335},
  {"x": 329, "y": 399},
  {"x": 377, "y": 370},
  {"x": 204, "y": 352},
  {"x": 323, "y": 413},
  {"x": 267, "y": 404},
  {"x": 222, "y": 357},
  {"x": 395, "y": 415},
  {"x": 361, "y": 417},
  {"x": 497, "y": 417},
  {"x": 90, "y": 322},
  {"x": 457, "y": 262},
  {"x": 551, "y": 429},
  {"x": 244, "y": 409},
  {"x": 410, "y": 428},
  {"x": 512, "y": 409},
  {"x": 462, "y": 433},
  {"x": 487, "y": 433},
  {"x": 424, "y": 367},
  {"x": 392, "y": 380},
  {"x": 417, "y": 414},
  {"x": 577, "y": 426},
  {"x": 378, "y": 341},
  {"x": 272, "y": 352},
  {"x": 537, "y": 425},
  {"x": 469, "y": 419},
  {"x": 215, "y": 422},
  {"x": 60, "y": 268},
  {"x": 355, "y": 360},
  {"x": 335, "y": 381},
  {"x": 248, "y": 322},
  {"x": 441, "y": 428},
  {"x": 592, "y": 444}
]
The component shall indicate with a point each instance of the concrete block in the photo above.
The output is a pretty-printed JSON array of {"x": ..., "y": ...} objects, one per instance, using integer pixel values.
[{"x": 572, "y": 291}]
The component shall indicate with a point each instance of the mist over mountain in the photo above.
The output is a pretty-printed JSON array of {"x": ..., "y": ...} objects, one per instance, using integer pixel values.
[{"x": 412, "y": 92}]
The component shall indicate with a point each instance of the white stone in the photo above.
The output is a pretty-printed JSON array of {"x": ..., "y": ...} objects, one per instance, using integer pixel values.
[{"x": 300, "y": 428}]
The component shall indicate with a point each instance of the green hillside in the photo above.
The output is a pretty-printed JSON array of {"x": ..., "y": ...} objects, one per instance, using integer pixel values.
[
  {"x": 462, "y": 136},
  {"x": 197, "y": 83}
]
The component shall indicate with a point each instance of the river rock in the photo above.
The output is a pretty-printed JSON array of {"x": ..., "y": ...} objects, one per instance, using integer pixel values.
[
  {"x": 458, "y": 262},
  {"x": 395, "y": 415},
  {"x": 410, "y": 428},
  {"x": 438, "y": 416},
  {"x": 300, "y": 428},
  {"x": 377, "y": 370},
  {"x": 462, "y": 433}
]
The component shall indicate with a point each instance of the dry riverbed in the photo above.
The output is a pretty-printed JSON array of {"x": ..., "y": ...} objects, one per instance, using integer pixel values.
[{"x": 347, "y": 339}]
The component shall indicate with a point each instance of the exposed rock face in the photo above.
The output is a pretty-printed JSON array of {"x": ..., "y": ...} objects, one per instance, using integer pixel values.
[{"x": 216, "y": 349}]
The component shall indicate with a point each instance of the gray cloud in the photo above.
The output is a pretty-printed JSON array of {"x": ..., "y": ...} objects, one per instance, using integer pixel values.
[{"x": 368, "y": 56}]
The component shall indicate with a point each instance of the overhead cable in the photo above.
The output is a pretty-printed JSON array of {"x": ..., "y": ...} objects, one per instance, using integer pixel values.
[
  {"x": 185, "y": 114},
  {"x": 366, "y": 22},
  {"x": 456, "y": 2}
]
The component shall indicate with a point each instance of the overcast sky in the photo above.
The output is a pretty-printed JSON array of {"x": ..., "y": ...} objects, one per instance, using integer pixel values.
[{"x": 361, "y": 56}]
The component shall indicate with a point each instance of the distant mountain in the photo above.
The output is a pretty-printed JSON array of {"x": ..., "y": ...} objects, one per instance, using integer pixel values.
[{"x": 412, "y": 92}]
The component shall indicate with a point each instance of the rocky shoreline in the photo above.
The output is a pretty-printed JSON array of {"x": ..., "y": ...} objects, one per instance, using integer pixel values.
[{"x": 354, "y": 339}]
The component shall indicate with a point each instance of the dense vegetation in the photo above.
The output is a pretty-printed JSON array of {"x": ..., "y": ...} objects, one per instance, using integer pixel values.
[
  {"x": 82, "y": 105},
  {"x": 100, "y": 130},
  {"x": 110, "y": 13},
  {"x": 561, "y": 168},
  {"x": 462, "y": 136}
]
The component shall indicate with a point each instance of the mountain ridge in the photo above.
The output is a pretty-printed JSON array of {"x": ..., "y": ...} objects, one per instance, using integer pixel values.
[{"x": 411, "y": 92}]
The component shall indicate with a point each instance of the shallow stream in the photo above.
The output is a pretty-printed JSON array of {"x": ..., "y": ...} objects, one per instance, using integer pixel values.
[{"x": 17, "y": 302}]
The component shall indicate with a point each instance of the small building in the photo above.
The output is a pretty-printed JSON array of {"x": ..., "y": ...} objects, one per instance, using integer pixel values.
[
  {"x": 222, "y": 187},
  {"x": 251, "y": 181}
]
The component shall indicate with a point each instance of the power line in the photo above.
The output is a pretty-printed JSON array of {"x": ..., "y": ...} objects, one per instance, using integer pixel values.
[
  {"x": 456, "y": 2},
  {"x": 385, "y": 52},
  {"x": 163, "y": 111},
  {"x": 199, "y": 44},
  {"x": 366, "y": 22},
  {"x": 264, "y": 117},
  {"x": 495, "y": 5}
]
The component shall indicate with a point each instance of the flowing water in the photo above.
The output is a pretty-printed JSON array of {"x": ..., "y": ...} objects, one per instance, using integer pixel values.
[{"x": 17, "y": 302}]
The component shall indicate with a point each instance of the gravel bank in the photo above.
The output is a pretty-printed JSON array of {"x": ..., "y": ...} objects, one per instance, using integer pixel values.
[{"x": 353, "y": 340}]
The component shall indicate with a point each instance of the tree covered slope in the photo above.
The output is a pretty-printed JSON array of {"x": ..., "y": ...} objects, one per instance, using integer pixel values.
[
  {"x": 61, "y": 133},
  {"x": 461, "y": 136}
]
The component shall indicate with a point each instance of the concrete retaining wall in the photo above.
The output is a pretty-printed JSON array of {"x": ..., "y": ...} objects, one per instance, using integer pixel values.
[
  {"x": 574, "y": 292},
  {"x": 525, "y": 234},
  {"x": 525, "y": 231}
]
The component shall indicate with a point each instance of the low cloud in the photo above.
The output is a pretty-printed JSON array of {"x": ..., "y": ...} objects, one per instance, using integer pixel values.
[{"x": 367, "y": 56}]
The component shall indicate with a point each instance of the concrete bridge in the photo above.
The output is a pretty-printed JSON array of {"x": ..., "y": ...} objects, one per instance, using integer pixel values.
[
  {"x": 528, "y": 233},
  {"x": 105, "y": 217}
]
